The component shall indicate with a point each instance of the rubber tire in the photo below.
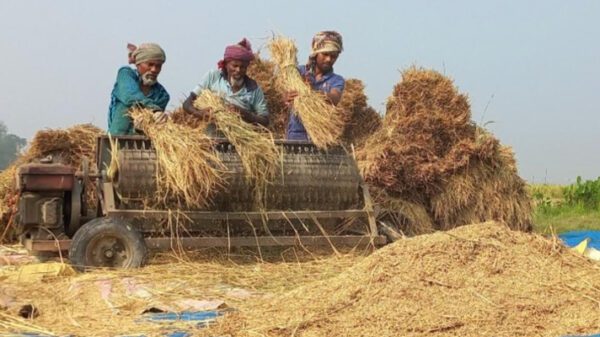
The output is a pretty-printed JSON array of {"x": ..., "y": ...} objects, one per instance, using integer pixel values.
[{"x": 99, "y": 226}]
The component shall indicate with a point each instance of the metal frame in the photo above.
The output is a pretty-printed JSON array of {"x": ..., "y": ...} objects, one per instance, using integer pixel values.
[{"x": 107, "y": 203}]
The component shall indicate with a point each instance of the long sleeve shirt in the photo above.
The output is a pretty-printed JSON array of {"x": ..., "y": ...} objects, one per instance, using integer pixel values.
[{"x": 125, "y": 94}]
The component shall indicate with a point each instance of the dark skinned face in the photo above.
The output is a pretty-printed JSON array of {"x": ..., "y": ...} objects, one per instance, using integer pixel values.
[
  {"x": 149, "y": 71},
  {"x": 236, "y": 69},
  {"x": 325, "y": 61}
]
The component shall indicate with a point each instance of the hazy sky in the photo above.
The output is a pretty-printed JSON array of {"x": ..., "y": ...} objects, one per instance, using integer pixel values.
[{"x": 534, "y": 64}]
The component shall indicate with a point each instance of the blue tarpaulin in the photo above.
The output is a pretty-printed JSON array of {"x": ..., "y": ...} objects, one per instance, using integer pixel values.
[
  {"x": 203, "y": 318},
  {"x": 573, "y": 238}
]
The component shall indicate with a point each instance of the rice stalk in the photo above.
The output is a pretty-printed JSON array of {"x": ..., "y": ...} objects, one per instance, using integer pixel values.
[
  {"x": 253, "y": 143},
  {"x": 188, "y": 167}
]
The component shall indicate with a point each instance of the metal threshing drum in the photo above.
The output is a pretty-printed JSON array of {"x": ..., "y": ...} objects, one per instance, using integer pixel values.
[{"x": 308, "y": 179}]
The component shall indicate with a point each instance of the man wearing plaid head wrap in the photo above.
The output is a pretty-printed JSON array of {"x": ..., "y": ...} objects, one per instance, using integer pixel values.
[
  {"x": 240, "y": 91},
  {"x": 138, "y": 87},
  {"x": 326, "y": 46}
]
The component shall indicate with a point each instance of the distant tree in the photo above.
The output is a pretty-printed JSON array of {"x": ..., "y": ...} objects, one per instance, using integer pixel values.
[{"x": 10, "y": 145}]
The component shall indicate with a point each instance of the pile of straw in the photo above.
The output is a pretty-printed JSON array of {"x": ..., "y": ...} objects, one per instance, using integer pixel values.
[
  {"x": 69, "y": 147},
  {"x": 253, "y": 143},
  {"x": 322, "y": 121},
  {"x": 263, "y": 72},
  {"x": 480, "y": 280},
  {"x": 429, "y": 152},
  {"x": 188, "y": 168},
  {"x": 74, "y": 305},
  {"x": 360, "y": 119}
]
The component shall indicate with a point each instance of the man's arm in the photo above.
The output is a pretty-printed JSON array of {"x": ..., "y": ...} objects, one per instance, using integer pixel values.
[
  {"x": 188, "y": 106},
  {"x": 121, "y": 124},
  {"x": 259, "y": 105},
  {"x": 334, "y": 96},
  {"x": 163, "y": 98},
  {"x": 337, "y": 88},
  {"x": 251, "y": 117}
]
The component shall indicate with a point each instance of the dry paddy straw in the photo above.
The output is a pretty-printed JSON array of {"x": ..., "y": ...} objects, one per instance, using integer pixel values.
[
  {"x": 73, "y": 305},
  {"x": 254, "y": 144},
  {"x": 477, "y": 280},
  {"x": 188, "y": 166},
  {"x": 322, "y": 121}
]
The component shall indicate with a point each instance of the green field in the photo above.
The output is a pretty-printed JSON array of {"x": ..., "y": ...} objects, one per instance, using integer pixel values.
[{"x": 564, "y": 208}]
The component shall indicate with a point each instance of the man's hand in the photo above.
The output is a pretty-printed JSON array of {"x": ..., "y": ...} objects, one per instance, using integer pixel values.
[
  {"x": 288, "y": 98},
  {"x": 160, "y": 117}
]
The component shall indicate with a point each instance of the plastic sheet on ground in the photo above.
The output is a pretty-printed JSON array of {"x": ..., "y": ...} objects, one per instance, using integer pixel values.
[
  {"x": 585, "y": 242},
  {"x": 203, "y": 318}
]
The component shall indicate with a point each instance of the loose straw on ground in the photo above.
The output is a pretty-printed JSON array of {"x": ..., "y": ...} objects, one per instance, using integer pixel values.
[
  {"x": 322, "y": 121},
  {"x": 188, "y": 166},
  {"x": 254, "y": 144}
]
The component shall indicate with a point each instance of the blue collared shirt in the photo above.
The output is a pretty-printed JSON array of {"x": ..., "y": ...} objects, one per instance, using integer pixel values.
[
  {"x": 125, "y": 94},
  {"x": 250, "y": 97},
  {"x": 328, "y": 82}
]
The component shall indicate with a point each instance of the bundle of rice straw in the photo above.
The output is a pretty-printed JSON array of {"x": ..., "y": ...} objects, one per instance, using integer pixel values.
[
  {"x": 263, "y": 72},
  {"x": 428, "y": 151},
  {"x": 360, "y": 119},
  {"x": 320, "y": 118},
  {"x": 253, "y": 143},
  {"x": 179, "y": 116},
  {"x": 188, "y": 168},
  {"x": 69, "y": 146}
]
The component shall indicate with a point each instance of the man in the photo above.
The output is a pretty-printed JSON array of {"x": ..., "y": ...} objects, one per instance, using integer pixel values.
[
  {"x": 318, "y": 72},
  {"x": 138, "y": 87},
  {"x": 240, "y": 91}
]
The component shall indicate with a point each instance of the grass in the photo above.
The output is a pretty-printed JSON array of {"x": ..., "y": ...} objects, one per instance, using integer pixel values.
[
  {"x": 565, "y": 208},
  {"x": 564, "y": 219}
]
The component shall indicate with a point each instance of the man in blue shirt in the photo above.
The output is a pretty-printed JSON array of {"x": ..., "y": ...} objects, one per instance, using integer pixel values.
[
  {"x": 138, "y": 87},
  {"x": 240, "y": 91},
  {"x": 318, "y": 72}
]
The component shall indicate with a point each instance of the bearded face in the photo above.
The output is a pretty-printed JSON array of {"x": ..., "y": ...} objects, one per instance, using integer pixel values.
[
  {"x": 149, "y": 72},
  {"x": 149, "y": 79}
]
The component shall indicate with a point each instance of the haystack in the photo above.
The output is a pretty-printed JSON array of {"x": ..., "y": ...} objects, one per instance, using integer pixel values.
[
  {"x": 429, "y": 152},
  {"x": 323, "y": 123},
  {"x": 69, "y": 147},
  {"x": 479, "y": 280},
  {"x": 263, "y": 72},
  {"x": 360, "y": 120},
  {"x": 188, "y": 168}
]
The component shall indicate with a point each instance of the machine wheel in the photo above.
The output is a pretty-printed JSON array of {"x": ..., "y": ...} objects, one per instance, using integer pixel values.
[{"x": 106, "y": 242}]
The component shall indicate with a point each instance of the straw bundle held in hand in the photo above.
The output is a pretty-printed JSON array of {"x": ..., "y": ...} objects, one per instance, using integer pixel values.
[
  {"x": 320, "y": 118},
  {"x": 254, "y": 144},
  {"x": 188, "y": 166}
]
